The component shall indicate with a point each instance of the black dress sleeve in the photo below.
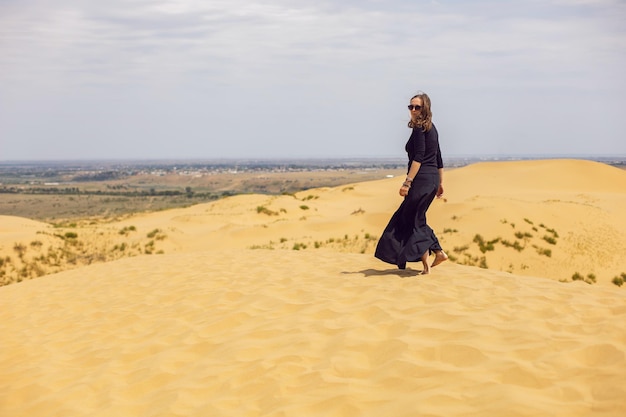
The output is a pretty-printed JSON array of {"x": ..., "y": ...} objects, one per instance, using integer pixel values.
[{"x": 418, "y": 145}]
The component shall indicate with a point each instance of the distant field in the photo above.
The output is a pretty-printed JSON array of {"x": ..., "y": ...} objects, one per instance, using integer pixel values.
[
  {"x": 116, "y": 201},
  {"x": 56, "y": 195},
  {"x": 53, "y": 208}
]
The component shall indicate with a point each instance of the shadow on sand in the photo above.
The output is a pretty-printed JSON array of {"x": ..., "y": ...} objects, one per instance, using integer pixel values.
[{"x": 402, "y": 273}]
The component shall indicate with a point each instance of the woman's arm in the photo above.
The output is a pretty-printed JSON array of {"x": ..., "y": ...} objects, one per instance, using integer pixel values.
[
  {"x": 415, "y": 166},
  {"x": 440, "y": 169},
  {"x": 440, "y": 189},
  {"x": 417, "y": 143}
]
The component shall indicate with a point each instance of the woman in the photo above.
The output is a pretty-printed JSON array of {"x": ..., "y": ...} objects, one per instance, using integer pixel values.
[{"x": 407, "y": 237}]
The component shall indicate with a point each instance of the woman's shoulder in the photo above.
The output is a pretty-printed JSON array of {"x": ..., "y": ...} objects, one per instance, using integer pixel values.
[
  {"x": 433, "y": 131},
  {"x": 417, "y": 131}
]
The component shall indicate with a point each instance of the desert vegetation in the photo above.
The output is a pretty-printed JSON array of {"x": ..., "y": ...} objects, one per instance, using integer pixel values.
[
  {"x": 265, "y": 210},
  {"x": 619, "y": 279},
  {"x": 358, "y": 243},
  {"x": 477, "y": 251},
  {"x": 519, "y": 240},
  {"x": 65, "y": 249},
  {"x": 590, "y": 278}
]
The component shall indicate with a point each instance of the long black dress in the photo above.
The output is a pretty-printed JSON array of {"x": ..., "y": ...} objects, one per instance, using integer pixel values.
[{"x": 407, "y": 236}]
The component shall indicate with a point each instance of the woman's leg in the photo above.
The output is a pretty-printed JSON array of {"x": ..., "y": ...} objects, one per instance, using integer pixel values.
[
  {"x": 440, "y": 255},
  {"x": 426, "y": 270}
]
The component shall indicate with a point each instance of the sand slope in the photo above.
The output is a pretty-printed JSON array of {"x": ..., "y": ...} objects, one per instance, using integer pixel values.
[
  {"x": 14, "y": 229},
  {"x": 550, "y": 218},
  {"x": 577, "y": 203},
  {"x": 570, "y": 208},
  {"x": 313, "y": 333}
]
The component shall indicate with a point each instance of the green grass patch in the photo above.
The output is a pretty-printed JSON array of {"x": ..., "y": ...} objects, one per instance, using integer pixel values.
[{"x": 265, "y": 210}]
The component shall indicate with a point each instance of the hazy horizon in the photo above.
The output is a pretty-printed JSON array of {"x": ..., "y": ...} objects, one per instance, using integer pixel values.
[{"x": 394, "y": 159}]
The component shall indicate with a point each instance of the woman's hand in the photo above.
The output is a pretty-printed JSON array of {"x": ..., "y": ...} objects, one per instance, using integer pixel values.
[
  {"x": 404, "y": 190},
  {"x": 440, "y": 191}
]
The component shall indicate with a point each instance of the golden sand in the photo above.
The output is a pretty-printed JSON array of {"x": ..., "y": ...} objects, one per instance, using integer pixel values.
[{"x": 215, "y": 328}]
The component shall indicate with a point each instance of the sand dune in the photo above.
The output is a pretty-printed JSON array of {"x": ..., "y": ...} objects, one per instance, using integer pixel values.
[
  {"x": 230, "y": 320},
  {"x": 315, "y": 333},
  {"x": 573, "y": 209},
  {"x": 14, "y": 229},
  {"x": 543, "y": 218},
  {"x": 578, "y": 203}
]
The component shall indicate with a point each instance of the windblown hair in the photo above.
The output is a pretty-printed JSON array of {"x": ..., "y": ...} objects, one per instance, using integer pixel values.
[{"x": 424, "y": 119}]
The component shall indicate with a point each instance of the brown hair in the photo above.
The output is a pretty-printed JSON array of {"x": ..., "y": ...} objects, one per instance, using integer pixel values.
[{"x": 424, "y": 119}]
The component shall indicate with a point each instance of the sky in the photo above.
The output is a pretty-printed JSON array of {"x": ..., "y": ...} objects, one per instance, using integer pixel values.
[{"x": 207, "y": 79}]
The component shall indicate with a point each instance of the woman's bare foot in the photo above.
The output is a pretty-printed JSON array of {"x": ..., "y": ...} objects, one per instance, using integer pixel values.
[
  {"x": 440, "y": 256},
  {"x": 426, "y": 271}
]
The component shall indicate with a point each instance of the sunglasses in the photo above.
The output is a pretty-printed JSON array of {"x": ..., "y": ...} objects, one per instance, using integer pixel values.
[{"x": 412, "y": 107}]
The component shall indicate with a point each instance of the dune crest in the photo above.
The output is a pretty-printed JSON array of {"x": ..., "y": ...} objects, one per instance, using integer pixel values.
[{"x": 550, "y": 174}]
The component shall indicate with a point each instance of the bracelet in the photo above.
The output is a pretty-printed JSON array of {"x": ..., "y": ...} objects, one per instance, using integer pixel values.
[
  {"x": 408, "y": 180},
  {"x": 406, "y": 185}
]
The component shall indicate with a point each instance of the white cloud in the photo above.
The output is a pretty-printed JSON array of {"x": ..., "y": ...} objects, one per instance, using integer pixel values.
[{"x": 243, "y": 39}]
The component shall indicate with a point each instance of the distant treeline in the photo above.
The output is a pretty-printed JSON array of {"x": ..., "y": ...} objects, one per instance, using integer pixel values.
[
  {"x": 136, "y": 193},
  {"x": 100, "y": 176}
]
